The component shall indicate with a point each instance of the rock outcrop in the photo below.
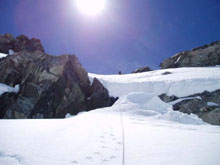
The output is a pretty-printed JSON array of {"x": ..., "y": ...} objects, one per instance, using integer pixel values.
[
  {"x": 20, "y": 43},
  {"x": 206, "y": 105},
  {"x": 142, "y": 69},
  {"x": 207, "y": 55},
  {"x": 50, "y": 86}
]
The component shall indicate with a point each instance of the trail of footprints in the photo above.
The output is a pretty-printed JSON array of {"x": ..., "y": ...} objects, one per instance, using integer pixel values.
[
  {"x": 74, "y": 162},
  {"x": 136, "y": 120},
  {"x": 105, "y": 139}
]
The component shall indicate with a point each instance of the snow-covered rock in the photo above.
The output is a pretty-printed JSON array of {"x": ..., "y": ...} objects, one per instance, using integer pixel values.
[
  {"x": 150, "y": 105},
  {"x": 202, "y": 104}
]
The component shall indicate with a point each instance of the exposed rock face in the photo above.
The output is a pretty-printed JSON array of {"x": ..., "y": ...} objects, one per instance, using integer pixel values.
[
  {"x": 20, "y": 43},
  {"x": 208, "y": 55},
  {"x": 142, "y": 69},
  {"x": 50, "y": 86},
  {"x": 206, "y": 105},
  {"x": 99, "y": 96},
  {"x": 167, "y": 99}
]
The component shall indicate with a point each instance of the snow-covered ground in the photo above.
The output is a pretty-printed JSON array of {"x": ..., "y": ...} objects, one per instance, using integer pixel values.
[
  {"x": 138, "y": 129},
  {"x": 181, "y": 81}
]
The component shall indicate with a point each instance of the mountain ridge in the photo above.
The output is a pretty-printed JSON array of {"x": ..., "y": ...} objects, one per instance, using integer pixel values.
[
  {"x": 53, "y": 86},
  {"x": 206, "y": 55}
]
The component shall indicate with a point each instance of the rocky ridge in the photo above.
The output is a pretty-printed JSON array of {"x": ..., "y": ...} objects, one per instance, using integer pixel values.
[
  {"x": 142, "y": 69},
  {"x": 20, "y": 43},
  {"x": 50, "y": 86},
  {"x": 207, "y": 55}
]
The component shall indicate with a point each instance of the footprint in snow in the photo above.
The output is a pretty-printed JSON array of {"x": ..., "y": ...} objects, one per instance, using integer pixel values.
[
  {"x": 136, "y": 123},
  {"x": 97, "y": 153},
  {"x": 89, "y": 157},
  {"x": 139, "y": 119},
  {"x": 112, "y": 157},
  {"x": 74, "y": 162},
  {"x": 104, "y": 147}
]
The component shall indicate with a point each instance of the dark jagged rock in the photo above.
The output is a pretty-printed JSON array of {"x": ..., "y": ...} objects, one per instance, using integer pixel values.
[
  {"x": 212, "y": 116},
  {"x": 167, "y": 99},
  {"x": 5, "y": 41},
  {"x": 207, "y": 55},
  {"x": 99, "y": 95},
  {"x": 6, "y": 100},
  {"x": 142, "y": 69},
  {"x": 189, "y": 106},
  {"x": 206, "y": 105},
  {"x": 166, "y": 73},
  {"x": 20, "y": 43},
  {"x": 50, "y": 86}
]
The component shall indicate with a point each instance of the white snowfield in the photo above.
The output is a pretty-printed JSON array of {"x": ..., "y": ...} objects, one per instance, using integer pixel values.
[
  {"x": 181, "y": 81},
  {"x": 139, "y": 129}
]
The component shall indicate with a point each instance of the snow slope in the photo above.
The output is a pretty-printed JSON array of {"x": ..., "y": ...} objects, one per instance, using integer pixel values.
[
  {"x": 181, "y": 81},
  {"x": 138, "y": 129}
]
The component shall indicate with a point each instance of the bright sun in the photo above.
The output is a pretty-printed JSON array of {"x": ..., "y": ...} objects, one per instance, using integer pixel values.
[{"x": 91, "y": 7}]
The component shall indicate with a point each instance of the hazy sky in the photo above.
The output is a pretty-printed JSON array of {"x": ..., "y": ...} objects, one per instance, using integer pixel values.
[{"x": 126, "y": 35}]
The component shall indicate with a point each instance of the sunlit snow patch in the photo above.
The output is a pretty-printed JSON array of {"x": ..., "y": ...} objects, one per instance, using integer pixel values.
[
  {"x": 11, "y": 52},
  {"x": 2, "y": 55},
  {"x": 5, "y": 88},
  {"x": 212, "y": 104}
]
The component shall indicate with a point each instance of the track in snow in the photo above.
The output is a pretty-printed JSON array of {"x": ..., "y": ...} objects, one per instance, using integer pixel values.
[{"x": 96, "y": 138}]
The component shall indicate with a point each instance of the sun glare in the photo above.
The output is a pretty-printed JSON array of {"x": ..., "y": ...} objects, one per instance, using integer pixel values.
[{"x": 91, "y": 7}]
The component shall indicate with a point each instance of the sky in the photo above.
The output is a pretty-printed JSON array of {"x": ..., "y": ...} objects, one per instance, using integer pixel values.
[{"x": 126, "y": 35}]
